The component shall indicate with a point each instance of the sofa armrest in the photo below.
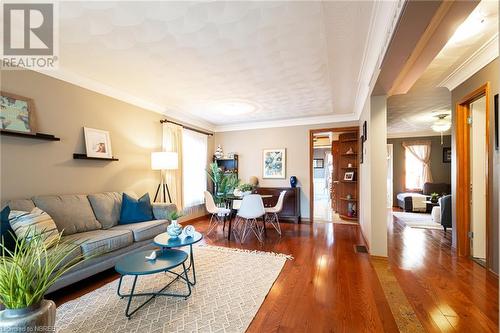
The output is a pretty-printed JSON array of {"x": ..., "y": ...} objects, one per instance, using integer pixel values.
[{"x": 162, "y": 210}]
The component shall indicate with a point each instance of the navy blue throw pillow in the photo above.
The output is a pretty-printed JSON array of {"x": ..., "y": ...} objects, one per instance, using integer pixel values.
[
  {"x": 134, "y": 210},
  {"x": 7, "y": 236}
]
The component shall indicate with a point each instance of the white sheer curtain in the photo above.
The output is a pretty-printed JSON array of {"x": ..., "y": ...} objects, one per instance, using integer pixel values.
[
  {"x": 421, "y": 150},
  {"x": 194, "y": 164},
  {"x": 172, "y": 141}
]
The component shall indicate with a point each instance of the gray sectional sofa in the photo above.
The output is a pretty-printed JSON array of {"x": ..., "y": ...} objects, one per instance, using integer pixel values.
[{"x": 92, "y": 222}]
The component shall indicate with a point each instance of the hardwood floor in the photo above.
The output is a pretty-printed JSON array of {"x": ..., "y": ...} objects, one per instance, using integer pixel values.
[
  {"x": 328, "y": 287},
  {"x": 448, "y": 293}
]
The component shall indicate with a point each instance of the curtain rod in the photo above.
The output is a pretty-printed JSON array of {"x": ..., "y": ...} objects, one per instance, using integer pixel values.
[{"x": 186, "y": 127}]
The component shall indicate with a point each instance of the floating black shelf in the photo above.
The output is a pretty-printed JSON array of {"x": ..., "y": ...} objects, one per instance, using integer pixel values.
[
  {"x": 37, "y": 136},
  {"x": 85, "y": 157}
]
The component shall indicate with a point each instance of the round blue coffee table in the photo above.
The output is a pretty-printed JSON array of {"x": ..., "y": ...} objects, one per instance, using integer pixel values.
[
  {"x": 136, "y": 264},
  {"x": 166, "y": 242}
]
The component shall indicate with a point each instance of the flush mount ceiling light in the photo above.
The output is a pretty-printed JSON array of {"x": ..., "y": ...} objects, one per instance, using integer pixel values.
[
  {"x": 441, "y": 125},
  {"x": 473, "y": 25},
  {"x": 235, "y": 108}
]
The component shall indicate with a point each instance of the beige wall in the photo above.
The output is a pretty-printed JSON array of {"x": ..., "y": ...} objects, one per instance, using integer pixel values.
[
  {"x": 489, "y": 73},
  {"x": 373, "y": 176},
  {"x": 441, "y": 172},
  {"x": 248, "y": 144},
  {"x": 32, "y": 167}
]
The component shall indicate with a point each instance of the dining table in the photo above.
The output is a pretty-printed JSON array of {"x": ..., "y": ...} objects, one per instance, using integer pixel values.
[{"x": 230, "y": 201}]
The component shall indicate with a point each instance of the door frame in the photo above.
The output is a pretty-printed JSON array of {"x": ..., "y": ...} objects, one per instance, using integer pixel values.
[
  {"x": 311, "y": 157},
  {"x": 462, "y": 171}
]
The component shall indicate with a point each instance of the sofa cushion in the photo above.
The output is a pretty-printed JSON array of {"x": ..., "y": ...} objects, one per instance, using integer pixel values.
[
  {"x": 135, "y": 210},
  {"x": 144, "y": 230},
  {"x": 25, "y": 205},
  {"x": 71, "y": 213},
  {"x": 76, "y": 253},
  {"x": 98, "y": 242},
  {"x": 107, "y": 207}
]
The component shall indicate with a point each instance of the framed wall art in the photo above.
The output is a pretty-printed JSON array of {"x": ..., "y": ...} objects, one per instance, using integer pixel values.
[
  {"x": 447, "y": 155},
  {"x": 318, "y": 163},
  {"x": 274, "y": 163},
  {"x": 97, "y": 143},
  {"x": 17, "y": 113}
]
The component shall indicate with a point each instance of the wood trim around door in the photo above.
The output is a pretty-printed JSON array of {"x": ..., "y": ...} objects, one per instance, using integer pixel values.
[
  {"x": 311, "y": 156},
  {"x": 462, "y": 171}
]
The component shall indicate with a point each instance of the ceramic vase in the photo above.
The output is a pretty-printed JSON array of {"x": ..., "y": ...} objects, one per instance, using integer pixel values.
[
  {"x": 293, "y": 181},
  {"x": 35, "y": 318},
  {"x": 174, "y": 229}
]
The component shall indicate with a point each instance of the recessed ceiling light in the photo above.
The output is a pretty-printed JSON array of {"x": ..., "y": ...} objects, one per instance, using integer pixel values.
[
  {"x": 235, "y": 108},
  {"x": 473, "y": 25}
]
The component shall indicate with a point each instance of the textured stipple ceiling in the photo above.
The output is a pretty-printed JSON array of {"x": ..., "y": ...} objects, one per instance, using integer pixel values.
[
  {"x": 287, "y": 59},
  {"x": 415, "y": 111}
]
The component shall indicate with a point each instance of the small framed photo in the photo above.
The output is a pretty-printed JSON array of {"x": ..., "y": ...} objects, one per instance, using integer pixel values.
[
  {"x": 447, "y": 155},
  {"x": 318, "y": 163},
  {"x": 274, "y": 163},
  {"x": 97, "y": 143},
  {"x": 17, "y": 113},
  {"x": 349, "y": 175}
]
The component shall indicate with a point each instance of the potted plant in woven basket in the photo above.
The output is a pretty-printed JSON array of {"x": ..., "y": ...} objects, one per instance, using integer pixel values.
[{"x": 26, "y": 273}]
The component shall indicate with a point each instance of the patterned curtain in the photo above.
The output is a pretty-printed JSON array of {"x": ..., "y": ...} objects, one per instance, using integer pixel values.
[{"x": 172, "y": 141}]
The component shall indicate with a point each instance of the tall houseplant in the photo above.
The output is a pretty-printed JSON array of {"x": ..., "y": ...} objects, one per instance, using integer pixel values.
[
  {"x": 224, "y": 183},
  {"x": 26, "y": 273}
]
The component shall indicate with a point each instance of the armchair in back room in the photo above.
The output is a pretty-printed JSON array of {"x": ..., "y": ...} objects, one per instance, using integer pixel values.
[{"x": 445, "y": 203}]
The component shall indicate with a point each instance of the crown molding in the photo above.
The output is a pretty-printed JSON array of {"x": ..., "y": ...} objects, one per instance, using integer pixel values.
[
  {"x": 416, "y": 134},
  {"x": 480, "y": 58},
  {"x": 382, "y": 26},
  {"x": 288, "y": 122},
  {"x": 109, "y": 91}
]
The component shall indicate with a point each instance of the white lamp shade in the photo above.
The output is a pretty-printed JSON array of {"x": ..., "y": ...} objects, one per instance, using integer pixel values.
[{"x": 164, "y": 160}]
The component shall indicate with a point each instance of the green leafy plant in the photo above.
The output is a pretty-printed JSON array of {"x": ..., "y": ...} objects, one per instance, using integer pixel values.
[
  {"x": 27, "y": 272},
  {"x": 175, "y": 215},
  {"x": 245, "y": 187},
  {"x": 434, "y": 197},
  {"x": 224, "y": 183}
]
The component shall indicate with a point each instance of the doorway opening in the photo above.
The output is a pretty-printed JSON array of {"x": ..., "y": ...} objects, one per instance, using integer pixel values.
[
  {"x": 472, "y": 176},
  {"x": 334, "y": 175}
]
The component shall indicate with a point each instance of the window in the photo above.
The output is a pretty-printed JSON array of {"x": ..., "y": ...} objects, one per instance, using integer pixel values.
[
  {"x": 194, "y": 163},
  {"x": 414, "y": 169}
]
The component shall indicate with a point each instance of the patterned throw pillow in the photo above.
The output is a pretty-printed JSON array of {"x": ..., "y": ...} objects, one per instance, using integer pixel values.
[{"x": 37, "y": 220}]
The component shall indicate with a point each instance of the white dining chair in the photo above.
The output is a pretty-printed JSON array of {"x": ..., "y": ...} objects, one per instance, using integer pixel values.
[
  {"x": 218, "y": 213},
  {"x": 272, "y": 213},
  {"x": 250, "y": 210}
]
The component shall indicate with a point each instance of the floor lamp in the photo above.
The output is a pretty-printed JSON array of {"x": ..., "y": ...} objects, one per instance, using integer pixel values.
[{"x": 164, "y": 160}]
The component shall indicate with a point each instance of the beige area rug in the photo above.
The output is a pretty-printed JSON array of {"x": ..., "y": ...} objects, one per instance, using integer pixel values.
[
  {"x": 403, "y": 312},
  {"x": 417, "y": 220},
  {"x": 231, "y": 286}
]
